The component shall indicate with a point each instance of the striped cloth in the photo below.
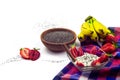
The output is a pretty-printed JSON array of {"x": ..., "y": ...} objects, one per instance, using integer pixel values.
[{"x": 110, "y": 72}]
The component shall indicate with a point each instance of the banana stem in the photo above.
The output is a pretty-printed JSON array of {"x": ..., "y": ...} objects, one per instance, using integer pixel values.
[{"x": 88, "y": 18}]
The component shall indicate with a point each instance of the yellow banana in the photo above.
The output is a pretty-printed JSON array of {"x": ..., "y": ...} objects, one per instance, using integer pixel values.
[
  {"x": 81, "y": 37},
  {"x": 93, "y": 29},
  {"x": 94, "y": 35},
  {"x": 101, "y": 30},
  {"x": 85, "y": 28},
  {"x": 85, "y": 31}
]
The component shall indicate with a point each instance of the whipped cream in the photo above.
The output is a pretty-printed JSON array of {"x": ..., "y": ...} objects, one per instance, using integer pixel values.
[{"x": 86, "y": 59}]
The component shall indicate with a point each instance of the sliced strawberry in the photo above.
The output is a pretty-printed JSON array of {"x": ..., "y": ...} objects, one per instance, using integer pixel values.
[
  {"x": 34, "y": 54},
  {"x": 79, "y": 64},
  {"x": 95, "y": 63},
  {"x": 94, "y": 50},
  {"x": 74, "y": 52},
  {"x": 80, "y": 51},
  {"x": 24, "y": 52},
  {"x": 103, "y": 58}
]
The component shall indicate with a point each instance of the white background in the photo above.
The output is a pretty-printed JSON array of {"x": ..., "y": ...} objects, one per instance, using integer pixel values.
[{"x": 22, "y": 22}]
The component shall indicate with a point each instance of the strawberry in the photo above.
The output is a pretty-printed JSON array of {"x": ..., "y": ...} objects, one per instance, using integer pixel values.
[
  {"x": 103, "y": 58},
  {"x": 74, "y": 52},
  {"x": 95, "y": 63},
  {"x": 24, "y": 52},
  {"x": 110, "y": 38},
  {"x": 34, "y": 54},
  {"x": 94, "y": 50},
  {"x": 80, "y": 51},
  {"x": 79, "y": 64},
  {"x": 108, "y": 47}
]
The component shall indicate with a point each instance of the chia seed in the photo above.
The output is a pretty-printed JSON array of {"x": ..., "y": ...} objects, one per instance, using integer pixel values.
[{"x": 59, "y": 36}]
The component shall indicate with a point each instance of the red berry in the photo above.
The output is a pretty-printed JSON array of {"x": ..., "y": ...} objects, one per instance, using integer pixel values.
[
  {"x": 103, "y": 58},
  {"x": 95, "y": 63},
  {"x": 108, "y": 47},
  {"x": 79, "y": 64},
  {"x": 80, "y": 51},
  {"x": 74, "y": 52},
  {"x": 34, "y": 54},
  {"x": 24, "y": 52},
  {"x": 110, "y": 38},
  {"x": 94, "y": 50}
]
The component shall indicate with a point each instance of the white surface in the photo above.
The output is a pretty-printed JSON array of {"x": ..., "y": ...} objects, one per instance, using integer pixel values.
[{"x": 22, "y": 21}]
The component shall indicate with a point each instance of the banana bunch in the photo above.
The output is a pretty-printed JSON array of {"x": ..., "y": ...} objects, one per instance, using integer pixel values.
[
  {"x": 93, "y": 29},
  {"x": 101, "y": 30},
  {"x": 85, "y": 31}
]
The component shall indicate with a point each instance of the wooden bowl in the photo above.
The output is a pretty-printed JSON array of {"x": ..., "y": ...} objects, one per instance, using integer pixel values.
[{"x": 54, "y": 33}]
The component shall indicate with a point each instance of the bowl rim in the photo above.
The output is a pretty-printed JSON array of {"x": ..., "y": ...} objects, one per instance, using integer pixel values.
[{"x": 57, "y": 29}]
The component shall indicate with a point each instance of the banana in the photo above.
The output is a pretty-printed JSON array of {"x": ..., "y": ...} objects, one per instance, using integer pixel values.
[
  {"x": 101, "y": 30},
  {"x": 84, "y": 32},
  {"x": 85, "y": 28},
  {"x": 93, "y": 29},
  {"x": 81, "y": 37},
  {"x": 94, "y": 35}
]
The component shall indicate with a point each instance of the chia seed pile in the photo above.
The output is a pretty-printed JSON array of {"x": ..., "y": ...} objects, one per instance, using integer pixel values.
[{"x": 59, "y": 36}]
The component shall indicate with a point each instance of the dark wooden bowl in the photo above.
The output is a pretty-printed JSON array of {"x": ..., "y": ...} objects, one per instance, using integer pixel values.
[{"x": 57, "y": 47}]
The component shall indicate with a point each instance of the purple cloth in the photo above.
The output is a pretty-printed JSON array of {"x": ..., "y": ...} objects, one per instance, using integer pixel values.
[{"x": 110, "y": 72}]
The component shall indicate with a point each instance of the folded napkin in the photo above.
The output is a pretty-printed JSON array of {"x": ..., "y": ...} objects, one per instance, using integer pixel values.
[{"x": 111, "y": 71}]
